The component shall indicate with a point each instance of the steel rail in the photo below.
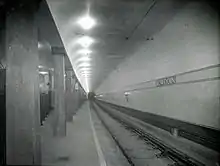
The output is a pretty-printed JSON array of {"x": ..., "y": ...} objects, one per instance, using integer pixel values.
[
  {"x": 114, "y": 138},
  {"x": 174, "y": 154}
]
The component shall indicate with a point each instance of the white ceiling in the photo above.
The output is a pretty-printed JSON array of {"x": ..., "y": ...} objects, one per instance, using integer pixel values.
[{"x": 121, "y": 27}]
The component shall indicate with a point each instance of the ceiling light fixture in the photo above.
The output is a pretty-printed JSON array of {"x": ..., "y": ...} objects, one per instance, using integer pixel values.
[
  {"x": 87, "y": 76},
  {"x": 80, "y": 68},
  {"x": 85, "y": 72},
  {"x": 84, "y": 59},
  {"x": 84, "y": 51},
  {"x": 85, "y": 69},
  {"x": 85, "y": 41},
  {"x": 86, "y": 22},
  {"x": 84, "y": 64}
]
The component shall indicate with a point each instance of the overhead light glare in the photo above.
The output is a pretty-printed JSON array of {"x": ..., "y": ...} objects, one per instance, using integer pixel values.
[
  {"x": 84, "y": 59},
  {"x": 85, "y": 41},
  {"x": 86, "y": 22},
  {"x": 85, "y": 72},
  {"x": 85, "y": 69},
  {"x": 84, "y": 64},
  {"x": 84, "y": 51}
]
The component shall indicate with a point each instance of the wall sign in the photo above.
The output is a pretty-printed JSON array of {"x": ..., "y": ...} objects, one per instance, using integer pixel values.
[{"x": 166, "y": 81}]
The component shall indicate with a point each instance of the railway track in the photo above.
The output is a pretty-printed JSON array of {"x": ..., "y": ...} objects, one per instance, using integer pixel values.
[{"x": 179, "y": 158}]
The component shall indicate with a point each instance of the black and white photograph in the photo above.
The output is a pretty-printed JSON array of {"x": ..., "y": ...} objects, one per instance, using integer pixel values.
[{"x": 109, "y": 83}]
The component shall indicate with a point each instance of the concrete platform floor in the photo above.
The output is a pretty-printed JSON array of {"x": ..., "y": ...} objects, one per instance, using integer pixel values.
[{"x": 87, "y": 143}]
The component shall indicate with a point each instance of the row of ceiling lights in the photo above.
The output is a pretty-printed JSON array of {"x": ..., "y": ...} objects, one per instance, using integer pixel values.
[{"x": 83, "y": 63}]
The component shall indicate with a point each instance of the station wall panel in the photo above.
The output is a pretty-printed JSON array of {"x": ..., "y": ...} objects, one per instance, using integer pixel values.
[{"x": 187, "y": 48}]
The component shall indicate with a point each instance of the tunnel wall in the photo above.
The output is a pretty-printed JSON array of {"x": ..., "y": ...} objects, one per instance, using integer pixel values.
[{"x": 187, "y": 48}]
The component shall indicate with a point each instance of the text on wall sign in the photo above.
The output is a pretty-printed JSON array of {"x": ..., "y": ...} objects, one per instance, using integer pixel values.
[{"x": 166, "y": 81}]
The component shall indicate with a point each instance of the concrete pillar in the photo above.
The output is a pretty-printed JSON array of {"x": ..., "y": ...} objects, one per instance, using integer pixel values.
[
  {"x": 60, "y": 113},
  {"x": 73, "y": 82},
  {"x": 71, "y": 100},
  {"x": 22, "y": 86},
  {"x": 68, "y": 96}
]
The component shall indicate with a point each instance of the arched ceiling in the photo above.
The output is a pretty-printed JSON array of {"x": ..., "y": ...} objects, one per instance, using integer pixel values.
[{"x": 120, "y": 27}]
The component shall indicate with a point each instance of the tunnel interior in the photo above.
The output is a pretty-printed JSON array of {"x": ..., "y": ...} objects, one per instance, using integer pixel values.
[{"x": 109, "y": 82}]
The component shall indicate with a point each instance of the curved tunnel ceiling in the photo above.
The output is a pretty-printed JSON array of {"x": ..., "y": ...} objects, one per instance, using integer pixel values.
[{"x": 99, "y": 34}]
